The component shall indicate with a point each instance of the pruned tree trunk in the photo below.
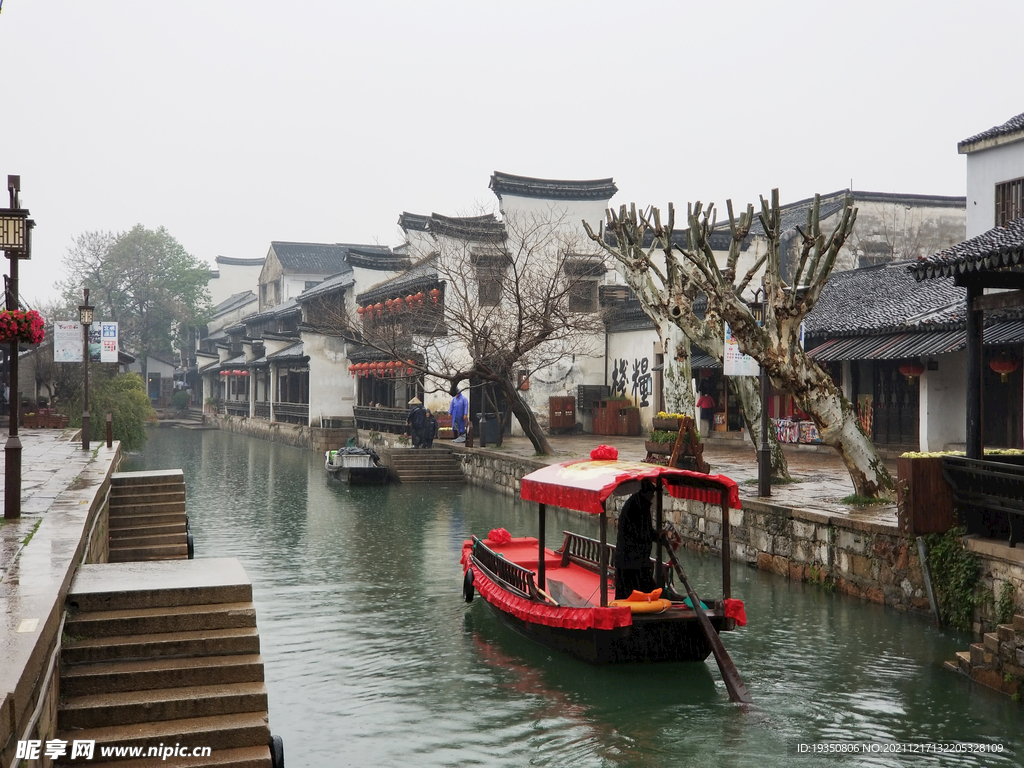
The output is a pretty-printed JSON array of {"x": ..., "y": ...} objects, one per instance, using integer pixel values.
[{"x": 676, "y": 373}]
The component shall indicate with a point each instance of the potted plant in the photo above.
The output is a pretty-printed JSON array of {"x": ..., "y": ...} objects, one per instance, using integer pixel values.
[
  {"x": 667, "y": 421},
  {"x": 661, "y": 441}
]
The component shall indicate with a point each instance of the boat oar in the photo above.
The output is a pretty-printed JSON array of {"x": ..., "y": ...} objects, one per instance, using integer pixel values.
[{"x": 733, "y": 682}]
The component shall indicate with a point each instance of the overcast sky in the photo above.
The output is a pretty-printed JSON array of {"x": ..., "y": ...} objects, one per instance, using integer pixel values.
[{"x": 234, "y": 123}]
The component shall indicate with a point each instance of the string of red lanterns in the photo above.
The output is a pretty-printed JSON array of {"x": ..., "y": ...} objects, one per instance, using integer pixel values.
[
  {"x": 381, "y": 368},
  {"x": 397, "y": 304}
]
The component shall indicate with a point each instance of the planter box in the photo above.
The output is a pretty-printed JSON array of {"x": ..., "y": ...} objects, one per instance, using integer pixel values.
[
  {"x": 444, "y": 421},
  {"x": 670, "y": 425},
  {"x": 923, "y": 497},
  {"x": 663, "y": 449}
]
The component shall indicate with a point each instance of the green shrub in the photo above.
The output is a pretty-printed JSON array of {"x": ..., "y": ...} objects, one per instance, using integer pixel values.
[
  {"x": 955, "y": 574},
  {"x": 180, "y": 399},
  {"x": 124, "y": 397}
]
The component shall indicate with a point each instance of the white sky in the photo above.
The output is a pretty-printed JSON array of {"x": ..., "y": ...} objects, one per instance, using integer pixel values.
[{"x": 236, "y": 123}]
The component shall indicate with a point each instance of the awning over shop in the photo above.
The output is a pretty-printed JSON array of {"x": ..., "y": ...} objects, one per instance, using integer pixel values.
[
  {"x": 892, "y": 346},
  {"x": 897, "y": 346}
]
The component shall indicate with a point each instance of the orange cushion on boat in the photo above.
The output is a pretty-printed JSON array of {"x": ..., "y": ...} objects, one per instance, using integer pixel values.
[
  {"x": 644, "y": 597},
  {"x": 642, "y": 606}
]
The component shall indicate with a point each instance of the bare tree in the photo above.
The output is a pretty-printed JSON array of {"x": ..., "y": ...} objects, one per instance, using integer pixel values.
[
  {"x": 775, "y": 344},
  {"x": 667, "y": 291},
  {"x": 512, "y": 298}
]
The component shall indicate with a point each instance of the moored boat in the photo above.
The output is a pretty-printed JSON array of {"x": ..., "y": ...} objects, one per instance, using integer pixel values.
[
  {"x": 560, "y": 598},
  {"x": 358, "y": 466}
]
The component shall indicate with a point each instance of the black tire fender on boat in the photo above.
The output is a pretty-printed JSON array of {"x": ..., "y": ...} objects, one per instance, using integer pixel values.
[
  {"x": 467, "y": 586},
  {"x": 276, "y": 752}
]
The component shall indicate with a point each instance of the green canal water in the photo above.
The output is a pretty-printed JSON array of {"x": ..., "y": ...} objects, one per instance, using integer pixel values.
[{"x": 373, "y": 659}]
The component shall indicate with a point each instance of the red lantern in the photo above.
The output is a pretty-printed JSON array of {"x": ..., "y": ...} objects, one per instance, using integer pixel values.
[
  {"x": 1004, "y": 365},
  {"x": 225, "y": 373},
  {"x": 390, "y": 305},
  {"x": 419, "y": 297},
  {"x": 398, "y": 304},
  {"x": 911, "y": 370},
  {"x": 379, "y": 308},
  {"x": 435, "y": 294},
  {"x": 360, "y": 310},
  {"x": 351, "y": 369},
  {"x": 245, "y": 373}
]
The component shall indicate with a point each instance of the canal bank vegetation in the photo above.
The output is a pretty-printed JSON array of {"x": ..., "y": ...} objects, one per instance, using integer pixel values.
[
  {"x": 124, "y": 397},
  {"x": 956, "y": 574}
]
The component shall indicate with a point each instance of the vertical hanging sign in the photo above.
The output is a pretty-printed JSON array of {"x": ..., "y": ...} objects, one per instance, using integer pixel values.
[
  {"x": 67, "y": 341},
  {"x": 108, "y": 342}
]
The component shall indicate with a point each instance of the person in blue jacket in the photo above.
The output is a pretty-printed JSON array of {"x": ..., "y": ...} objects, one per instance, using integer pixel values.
[{"x": 459, "y": 411}]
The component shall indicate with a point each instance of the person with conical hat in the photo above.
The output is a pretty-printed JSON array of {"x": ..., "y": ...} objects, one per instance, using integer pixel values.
[{"x": 416, "y": 420}]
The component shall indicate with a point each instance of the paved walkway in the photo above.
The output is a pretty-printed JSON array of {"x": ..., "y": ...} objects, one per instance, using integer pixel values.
[
  {"x": 50, "y": 462},
  {"x": 823, "y": 477}
]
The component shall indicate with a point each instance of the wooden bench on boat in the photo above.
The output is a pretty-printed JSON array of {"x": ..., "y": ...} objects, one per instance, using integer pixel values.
[{"x": 989, "y": 496}]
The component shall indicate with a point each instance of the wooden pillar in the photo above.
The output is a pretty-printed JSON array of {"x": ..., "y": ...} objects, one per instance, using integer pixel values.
[
  {"x": 541, "y": 569},
  {"x": 975, "y": 339}
]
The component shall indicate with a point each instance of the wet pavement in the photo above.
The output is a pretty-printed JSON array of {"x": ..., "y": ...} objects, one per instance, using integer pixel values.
[{"x": 823, "y": 478}]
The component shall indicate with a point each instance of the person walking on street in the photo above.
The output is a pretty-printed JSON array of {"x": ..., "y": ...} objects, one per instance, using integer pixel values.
[
  {"x": 416, "y": 420},
  {"x": 459, "y": 410}
]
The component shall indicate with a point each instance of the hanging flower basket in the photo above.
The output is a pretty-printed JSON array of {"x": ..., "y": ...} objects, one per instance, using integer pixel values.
[{"x": 21, "y": 325}]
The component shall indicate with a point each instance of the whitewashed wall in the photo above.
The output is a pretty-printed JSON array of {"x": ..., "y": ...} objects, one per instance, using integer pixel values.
[
  {"x": 234, "y": 278},
  {"x": 943, "y": 394},
  {"x": 331, "y": 386},
  {"x": 985, "y": 169},
  {"x": 630, "y": 367}
]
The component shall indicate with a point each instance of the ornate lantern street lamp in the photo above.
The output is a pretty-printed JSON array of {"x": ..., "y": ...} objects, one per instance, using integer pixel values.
[
  {"x": 16, "y": 243},
  {"x": 85, "y": 317}
]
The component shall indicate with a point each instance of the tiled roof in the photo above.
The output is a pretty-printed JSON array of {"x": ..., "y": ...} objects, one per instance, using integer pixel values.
[
  {"x": 379, "y": 257},
  {"x": 281, "y": 309},
  {"x": 310, "y": 258},
  {"x": 552, "y": 189},
  {"x": 883, "y": 299},
  {"x": 998, "y": 248},
  {"x": 413, "y": 222},
  {"x": 291, "y": 352},
  {"x": 240, "y": 262},
  {"x": 233, "y": 302},
  {"x": 484, "y": 228},
  {"x": 422, "y": 276},
  {"x": 1010, "y": 127},
  {"x": 330, "y": 285}
]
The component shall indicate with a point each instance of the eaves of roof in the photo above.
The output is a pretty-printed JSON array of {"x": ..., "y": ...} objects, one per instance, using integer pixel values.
[
  {"x": 291, "y": 352},
  {"x": 1010, "y": 131},
  {"x": 998, "y": 248},
  {"x": 552, "y": 189},
  {"x": 332, "y": 284},
  {"x": 421, "y": 277}
]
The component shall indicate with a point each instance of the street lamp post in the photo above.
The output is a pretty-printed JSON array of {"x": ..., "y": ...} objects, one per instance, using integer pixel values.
[
  {"x": 85, "y": 318},
  {"x": 16, "y": 243}
]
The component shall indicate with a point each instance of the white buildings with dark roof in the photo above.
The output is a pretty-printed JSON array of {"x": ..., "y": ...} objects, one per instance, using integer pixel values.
[{"x": 995, "y": 175}]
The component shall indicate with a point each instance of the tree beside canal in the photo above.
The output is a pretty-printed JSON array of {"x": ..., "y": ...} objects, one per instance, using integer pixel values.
[
  {"x": 144, "y": 280},
  {"x": 687, "y": 272}
]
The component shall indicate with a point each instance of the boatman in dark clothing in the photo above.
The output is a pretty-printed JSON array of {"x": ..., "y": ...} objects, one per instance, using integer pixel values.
[
  {"x": 633, "y": 544},
  {"x": 416, "y": 420}
]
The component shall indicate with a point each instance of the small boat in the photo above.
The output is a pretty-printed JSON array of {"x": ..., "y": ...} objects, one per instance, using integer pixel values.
[
  {"x": 357, "y": 466},
  {"x": 560, "y": 598}
]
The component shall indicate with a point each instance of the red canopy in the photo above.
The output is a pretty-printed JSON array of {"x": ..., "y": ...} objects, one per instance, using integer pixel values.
[{"x": 585, "y": 484}]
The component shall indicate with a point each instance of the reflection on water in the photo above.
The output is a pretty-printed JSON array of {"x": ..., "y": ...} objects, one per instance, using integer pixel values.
[{"x": 373, "y": 658}]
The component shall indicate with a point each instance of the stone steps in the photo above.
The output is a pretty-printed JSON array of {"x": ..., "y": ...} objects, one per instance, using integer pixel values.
[
  {"x": 147, "y": 518},
  {"x": 165, "y": 654},
  {"x": 434, "y": 465},
  {"x": 998, "y": 660},
  {"x": 144, "y": 674}
]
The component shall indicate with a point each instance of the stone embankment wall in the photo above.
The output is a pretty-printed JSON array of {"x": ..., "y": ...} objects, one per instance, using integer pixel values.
[
  {"x": 318, "y": 439},
  {"x": 863, "y": 559}
]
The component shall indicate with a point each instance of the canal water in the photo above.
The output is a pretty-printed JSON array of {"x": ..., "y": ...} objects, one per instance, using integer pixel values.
[{"x": 374, "y": 659}]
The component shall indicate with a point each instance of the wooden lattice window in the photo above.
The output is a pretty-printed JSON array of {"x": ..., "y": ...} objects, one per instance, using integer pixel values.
[{"x": 1009, "y": 201}]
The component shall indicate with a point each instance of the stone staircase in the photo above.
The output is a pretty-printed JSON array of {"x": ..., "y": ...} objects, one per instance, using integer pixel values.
[
  {"x": 165, "y": 655},
  {"x": 997, "y": 661},
  {"x": 432, "y": 465},
  {"x": 147, "y": 517}
]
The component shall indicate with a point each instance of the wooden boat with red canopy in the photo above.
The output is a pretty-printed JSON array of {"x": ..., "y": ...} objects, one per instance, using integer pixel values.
[{"x": 560, "y": 598}]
